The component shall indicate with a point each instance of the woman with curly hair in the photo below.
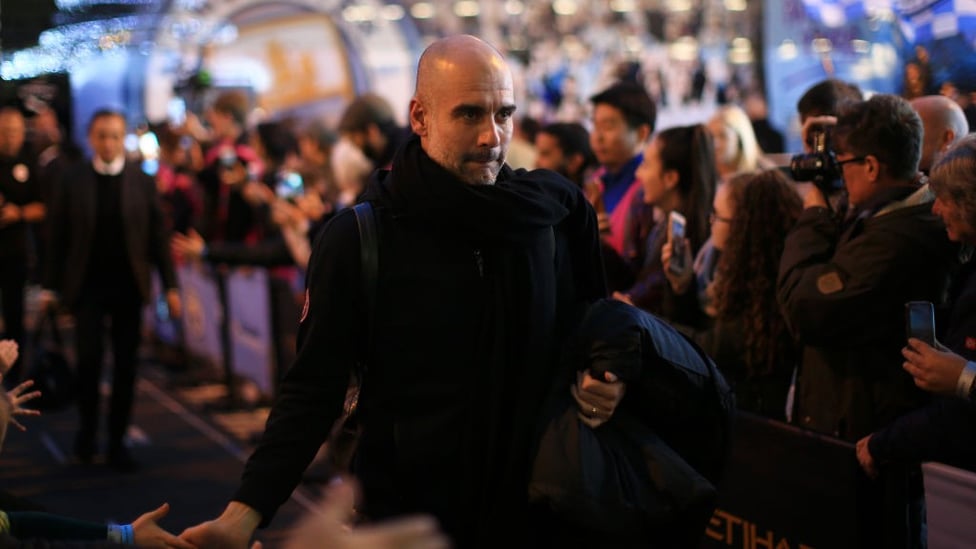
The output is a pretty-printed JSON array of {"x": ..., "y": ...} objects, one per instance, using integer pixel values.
[{"x": 750, "y": 340}]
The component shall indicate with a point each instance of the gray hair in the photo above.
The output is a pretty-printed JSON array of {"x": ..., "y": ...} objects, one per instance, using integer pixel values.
[{"x": 953, "y": 178}]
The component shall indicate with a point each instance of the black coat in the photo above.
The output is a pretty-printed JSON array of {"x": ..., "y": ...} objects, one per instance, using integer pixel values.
[
  {"x": 843, "y": 295},
  {"x": 472, "y": 302},
  {"x": 71, "y": 221}
]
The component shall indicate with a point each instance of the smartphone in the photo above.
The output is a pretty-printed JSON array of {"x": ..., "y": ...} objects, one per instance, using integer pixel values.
[
  {"x": 176, "y": 111},
  {"x": 920, "y": 321},
  {"x": 676, "y": 225},
  {"x": 289, "y": 185}
]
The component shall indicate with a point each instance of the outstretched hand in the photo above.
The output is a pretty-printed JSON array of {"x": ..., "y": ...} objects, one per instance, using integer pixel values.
[
  {"x": 16, "y": 398},
  {"x": 148, "y": 533},
  {"x": 328, "y": 526}
]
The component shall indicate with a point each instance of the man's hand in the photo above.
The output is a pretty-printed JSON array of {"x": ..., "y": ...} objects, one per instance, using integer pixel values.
[
  {"x": 814, "y": 122},
  {"x": 147, "y": 532},
  {"x": 16, "y": 398},
  {"x": 328, "y": 526},
  {"x": 231, "y": 530},
  {"x": 189, "y": 246},
  {"x": 865, "y": 458},
  {"x": 934, "y": 370},
  {"x": 597, "y": 399},
  {"x": 625, "y": 298}
]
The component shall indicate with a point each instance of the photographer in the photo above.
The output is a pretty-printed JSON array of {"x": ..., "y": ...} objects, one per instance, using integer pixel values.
[{"x": 843, "y": 283}]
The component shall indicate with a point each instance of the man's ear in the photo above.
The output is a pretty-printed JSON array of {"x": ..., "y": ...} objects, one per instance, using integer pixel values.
[
  {"x": 643, "y": 134},
  {"x": 874, "y": 167},
  {"x": 418, "y": 117}
]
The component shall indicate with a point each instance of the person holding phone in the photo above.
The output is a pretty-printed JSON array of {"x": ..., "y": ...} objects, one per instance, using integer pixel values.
[
  {"x": 945, "y": 430},
  {"x": 678, "y": 178}
]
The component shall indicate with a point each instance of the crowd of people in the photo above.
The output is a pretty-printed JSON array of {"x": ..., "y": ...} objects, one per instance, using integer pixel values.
[{"x": 795, "y": 289}]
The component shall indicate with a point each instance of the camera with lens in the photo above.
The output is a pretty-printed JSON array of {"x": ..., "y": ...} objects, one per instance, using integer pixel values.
[{"x": 819, "y": 166}]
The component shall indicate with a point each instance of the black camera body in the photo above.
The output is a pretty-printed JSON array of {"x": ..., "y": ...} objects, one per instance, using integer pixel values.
[{"x": 819, "y": 166}]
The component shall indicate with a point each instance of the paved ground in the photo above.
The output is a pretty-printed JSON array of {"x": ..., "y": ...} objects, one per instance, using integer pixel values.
[{"x": 191, "y": 457}]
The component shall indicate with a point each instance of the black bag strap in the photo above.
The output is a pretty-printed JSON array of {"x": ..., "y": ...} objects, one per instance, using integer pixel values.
[
  {"x": 370, "y": 259},
  {"x": 47, "y": 317}
]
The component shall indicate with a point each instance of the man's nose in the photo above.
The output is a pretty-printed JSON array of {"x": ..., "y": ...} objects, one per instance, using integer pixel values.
[{"x": 491, "y": 135}]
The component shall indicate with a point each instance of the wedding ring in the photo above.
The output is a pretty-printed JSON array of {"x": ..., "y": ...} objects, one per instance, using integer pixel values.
[{"x": 593, "y": 411}]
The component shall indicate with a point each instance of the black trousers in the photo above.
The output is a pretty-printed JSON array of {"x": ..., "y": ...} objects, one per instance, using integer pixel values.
[
  {"x": 124, "y": 313},
  {"x": 13, "y": 278}
]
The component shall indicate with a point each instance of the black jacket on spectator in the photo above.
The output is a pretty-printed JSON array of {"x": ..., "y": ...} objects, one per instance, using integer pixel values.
[
  {"x": 475, "y": 292},
  {"x": 843, "y": 293}
]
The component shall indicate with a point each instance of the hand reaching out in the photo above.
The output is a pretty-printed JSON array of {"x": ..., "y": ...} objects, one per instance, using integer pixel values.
[
  {"x": 16, "y": 398},
  {"x": 148, "y": 533},
  {"x": 329, "y": 526}
]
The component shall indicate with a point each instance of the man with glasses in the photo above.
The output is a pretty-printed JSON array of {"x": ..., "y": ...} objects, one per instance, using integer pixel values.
[{"x": 843, "y": 284}]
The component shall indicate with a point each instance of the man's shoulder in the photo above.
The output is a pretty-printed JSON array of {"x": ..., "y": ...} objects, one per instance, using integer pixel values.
[
  {"x": 550, "y": 182},
  {"x": 339, "y": 231}
]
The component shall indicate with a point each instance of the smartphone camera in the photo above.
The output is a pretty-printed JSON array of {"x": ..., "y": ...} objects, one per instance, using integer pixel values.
[
  {"x": 920, "y": 321},
  {"x": 289, "y": 185},
  {"x": 676, "y": 224}
]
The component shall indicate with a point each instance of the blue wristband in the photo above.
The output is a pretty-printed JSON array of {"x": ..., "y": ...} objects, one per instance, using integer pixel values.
[{"x": 114, "y": 533}]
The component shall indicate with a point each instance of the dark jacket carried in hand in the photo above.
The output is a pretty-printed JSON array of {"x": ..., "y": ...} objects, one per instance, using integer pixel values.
[
  {"x": 843, "y": 291},
  {"x": 648, "y": 474},
  {"x": 477, "y": 284}
]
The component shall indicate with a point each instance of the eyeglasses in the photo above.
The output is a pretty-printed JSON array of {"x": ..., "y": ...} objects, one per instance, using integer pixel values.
[
  {"x": 713, "y": 217},
  {"x": 840, "y": 163}
]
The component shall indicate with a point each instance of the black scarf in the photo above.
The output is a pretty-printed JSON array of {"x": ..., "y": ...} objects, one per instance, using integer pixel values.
[
  {"x": 512, "y": 223},
  {"x": 517, "y": 205}
]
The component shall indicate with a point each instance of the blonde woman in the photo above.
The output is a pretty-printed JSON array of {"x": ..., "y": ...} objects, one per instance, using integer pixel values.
[{"x": 736, "y": 148}]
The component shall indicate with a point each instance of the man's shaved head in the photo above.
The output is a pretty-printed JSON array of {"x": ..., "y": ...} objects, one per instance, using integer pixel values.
[
  {"x": 463, "y": 105},
  {"x": 944, "y": 123},
  {"x": 448, "y": 54}
]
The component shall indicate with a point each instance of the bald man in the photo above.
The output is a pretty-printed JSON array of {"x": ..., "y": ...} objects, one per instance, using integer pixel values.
[
  {"x": 943, "y": 124},
  {"x": 479, "y": 266}
]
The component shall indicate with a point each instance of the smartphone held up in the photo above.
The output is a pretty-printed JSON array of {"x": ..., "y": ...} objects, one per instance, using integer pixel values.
[
  {"x": 920, "y": 321},
  {"x": 676, "y": 232}
]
